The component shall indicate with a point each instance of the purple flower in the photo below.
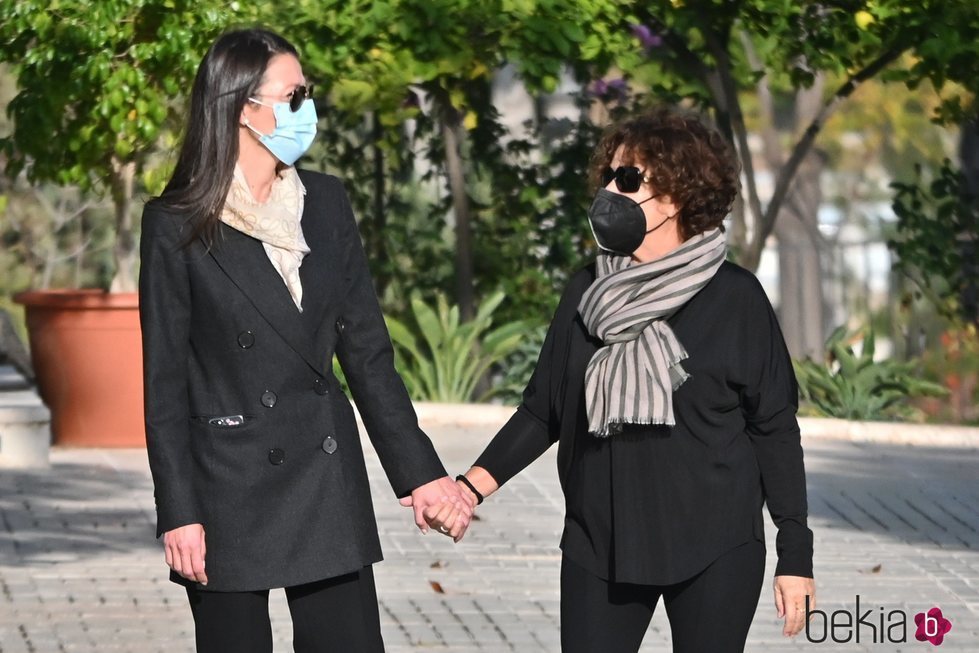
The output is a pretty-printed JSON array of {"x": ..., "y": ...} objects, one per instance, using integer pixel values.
[
  {"x": 618, "y": 86},
  {"x": 410, "y": 101},
  {"x": 609, "y": 90},
  {"x": 646, "y": 37}
]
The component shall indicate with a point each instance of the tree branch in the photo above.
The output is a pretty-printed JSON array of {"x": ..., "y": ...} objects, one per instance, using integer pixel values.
[
  {"x": 740, "y": 132},
  {"x": 766, "y": 105},
  {"x": 802, "y": 147}
]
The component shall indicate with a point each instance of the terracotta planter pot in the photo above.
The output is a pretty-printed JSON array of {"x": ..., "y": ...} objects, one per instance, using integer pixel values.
[{"x": 87, "y": 355}]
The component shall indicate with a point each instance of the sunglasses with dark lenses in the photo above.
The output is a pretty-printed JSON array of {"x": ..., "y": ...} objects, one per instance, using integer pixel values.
[
  {"x": 628, "y": 179},
  {"x": 296, "y": 99},
  {"x": 299, "y": 96}
]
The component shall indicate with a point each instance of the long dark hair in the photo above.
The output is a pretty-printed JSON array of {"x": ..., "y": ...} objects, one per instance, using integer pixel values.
[{"x": 230, "y": 73}]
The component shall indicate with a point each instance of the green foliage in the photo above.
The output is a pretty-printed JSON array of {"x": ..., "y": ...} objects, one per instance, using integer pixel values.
[
  {"x": 371, "y": 54},
  {"x": 713, "y": 53},
  {"x": 854, "y": 386},
  {"x": 937, "y": 232},
  {"x": 432, "y": 64},
  {"x": 516, "y": 369},
  {"x": 793, "y": 41},
  {"x": 97, "y": 80},
  {"x": 441, "y": 359},
  {"x": 98, "y": 85}
]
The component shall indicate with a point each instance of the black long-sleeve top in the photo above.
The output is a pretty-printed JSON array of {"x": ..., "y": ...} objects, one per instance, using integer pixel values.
[{"x": 653, "y": 504}]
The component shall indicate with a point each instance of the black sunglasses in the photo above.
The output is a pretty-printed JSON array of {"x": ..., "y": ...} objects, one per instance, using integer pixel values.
[
  {"x": 297, "y": 97},
  {"x": 628, "y": 179}
]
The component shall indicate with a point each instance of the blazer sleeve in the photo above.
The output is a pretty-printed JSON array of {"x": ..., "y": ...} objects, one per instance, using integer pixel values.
[
  {"x": 367, "y": 358},
  {"x": 164, "y": 316},
  {"x": 769, "y": 403},
  {"x": 534, "y": 427}
]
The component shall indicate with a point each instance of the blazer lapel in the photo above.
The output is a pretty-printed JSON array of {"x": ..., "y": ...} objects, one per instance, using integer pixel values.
[
  {"x": 244, "y": 260},
  {"x": 316, "y": 272}
]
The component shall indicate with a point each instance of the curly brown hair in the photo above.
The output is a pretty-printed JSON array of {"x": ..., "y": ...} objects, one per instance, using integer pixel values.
[{"x": 686, "y": 160}]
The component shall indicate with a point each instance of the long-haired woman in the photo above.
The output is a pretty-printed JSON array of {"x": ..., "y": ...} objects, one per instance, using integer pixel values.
[{"x": 253, "y": 276}]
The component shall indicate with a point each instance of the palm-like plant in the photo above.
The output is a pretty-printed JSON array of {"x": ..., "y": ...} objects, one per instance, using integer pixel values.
[
  {"x": 853, "y": 386},
  {"x": 443, "y": 359}
]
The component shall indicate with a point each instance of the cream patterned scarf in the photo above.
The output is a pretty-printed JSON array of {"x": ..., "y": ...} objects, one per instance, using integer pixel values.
[
  {"x": 632, "y": 378},
  {"x": 275, "y": 222}
]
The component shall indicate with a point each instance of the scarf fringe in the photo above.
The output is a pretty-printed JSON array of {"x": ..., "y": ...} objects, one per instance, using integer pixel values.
[{"x": 607, "y": 430}]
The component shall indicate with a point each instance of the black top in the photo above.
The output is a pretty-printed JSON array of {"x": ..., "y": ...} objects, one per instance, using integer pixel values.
[{"x": 654, "y": 504}]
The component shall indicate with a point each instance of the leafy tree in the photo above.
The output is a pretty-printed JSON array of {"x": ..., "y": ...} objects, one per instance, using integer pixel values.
[
  {"x": 98, "y": 83},
  {"x": 432, "y": 63},
  {"x": 794, "y": 64},
  {"x": 936, "y": 241},
  {"x": 712, "y": 51}
]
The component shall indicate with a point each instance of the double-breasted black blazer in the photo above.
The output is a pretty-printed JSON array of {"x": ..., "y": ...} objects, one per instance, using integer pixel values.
[{"x": 282, "y": 491}]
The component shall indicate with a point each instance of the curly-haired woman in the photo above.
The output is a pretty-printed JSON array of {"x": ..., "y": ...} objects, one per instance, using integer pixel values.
[{"x": 666, "y": 382}]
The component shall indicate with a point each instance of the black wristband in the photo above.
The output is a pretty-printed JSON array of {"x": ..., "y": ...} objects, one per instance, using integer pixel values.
[{"x": 479, "y": 497}]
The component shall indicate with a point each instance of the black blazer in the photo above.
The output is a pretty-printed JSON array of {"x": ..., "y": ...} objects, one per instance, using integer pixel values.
[
  {"x": 656, "y": 505},
  {"x": 283, "y": 497}
]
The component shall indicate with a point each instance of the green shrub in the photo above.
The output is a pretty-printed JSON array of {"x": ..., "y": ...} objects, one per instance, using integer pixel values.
[
  {"x": 514, "y": 372},
  {"x": 441, "y": 359},
  {"x": 853, "y": 386}
]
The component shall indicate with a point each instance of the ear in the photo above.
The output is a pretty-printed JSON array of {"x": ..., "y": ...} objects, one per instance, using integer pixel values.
[
  {"x": 246, "y": 111},
  {"x": 667, "y": 207}
]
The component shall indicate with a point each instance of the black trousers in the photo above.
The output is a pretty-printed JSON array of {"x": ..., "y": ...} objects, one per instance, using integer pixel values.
[
  {"x": 337, "y": 614},
  {"x": 709, "y": 613}
]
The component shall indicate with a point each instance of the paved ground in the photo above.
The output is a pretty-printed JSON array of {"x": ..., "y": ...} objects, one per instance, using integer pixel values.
[{"x": 80, "y": 570}]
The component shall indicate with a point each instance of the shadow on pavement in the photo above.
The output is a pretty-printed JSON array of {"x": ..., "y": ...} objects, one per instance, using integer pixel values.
[
  {"x": 71, "y": 511},
  {"x": 917, "y": 495}
]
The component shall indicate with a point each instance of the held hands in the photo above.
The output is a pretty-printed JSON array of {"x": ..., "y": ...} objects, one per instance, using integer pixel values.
[
  {"x": 448, "y": 506},
  {"x": 443, "y": 505},
  {"x": 446, "y": 519},
  {"x": 790, "y": 601},
  {"x": 184, "y": 550}
]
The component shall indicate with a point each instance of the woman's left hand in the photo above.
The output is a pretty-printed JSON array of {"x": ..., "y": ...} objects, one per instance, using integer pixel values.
[
  {"x": 790, "y": 601},
  {"x": 447, "y": 519}
]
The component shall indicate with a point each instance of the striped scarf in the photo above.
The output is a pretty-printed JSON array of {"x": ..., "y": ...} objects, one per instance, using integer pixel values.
[{"x": 631, "y": 379}]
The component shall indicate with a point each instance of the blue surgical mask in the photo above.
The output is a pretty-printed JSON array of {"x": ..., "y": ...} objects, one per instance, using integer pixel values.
[{"x": 293, "y": 133}]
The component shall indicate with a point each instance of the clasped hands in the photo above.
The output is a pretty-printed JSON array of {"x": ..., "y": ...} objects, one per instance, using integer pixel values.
[{"x": 445, "y": 505}]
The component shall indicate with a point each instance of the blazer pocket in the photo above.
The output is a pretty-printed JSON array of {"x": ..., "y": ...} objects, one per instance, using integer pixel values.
[{"x": 229, "y": 422}]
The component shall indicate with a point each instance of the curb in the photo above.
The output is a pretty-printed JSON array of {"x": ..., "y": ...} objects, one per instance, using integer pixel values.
[
  {"x": 917, "y": 435},
  {"x": 813, "y": 428}
]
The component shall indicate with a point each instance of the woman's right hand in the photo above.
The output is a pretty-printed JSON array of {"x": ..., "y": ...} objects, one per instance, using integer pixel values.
[{"x": 184, "y": 550}]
